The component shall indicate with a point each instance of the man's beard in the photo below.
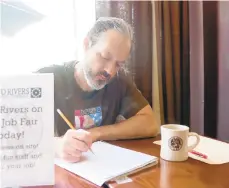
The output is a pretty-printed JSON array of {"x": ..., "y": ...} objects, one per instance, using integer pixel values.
[{"x": 91, "y": 79}]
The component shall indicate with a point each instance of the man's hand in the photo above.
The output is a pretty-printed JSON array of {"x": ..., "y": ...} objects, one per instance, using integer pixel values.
[{"x": 72, "y": 144}]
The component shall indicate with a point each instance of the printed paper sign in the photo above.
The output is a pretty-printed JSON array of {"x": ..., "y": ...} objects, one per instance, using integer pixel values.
[{"x": 27, "y": 130}]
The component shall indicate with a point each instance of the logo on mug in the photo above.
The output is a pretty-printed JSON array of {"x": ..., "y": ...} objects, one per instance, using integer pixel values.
[{"x": 175, "y": 143}]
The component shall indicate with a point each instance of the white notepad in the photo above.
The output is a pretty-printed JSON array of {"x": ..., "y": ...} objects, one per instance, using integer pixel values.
[{"x": 109, "y": 162}]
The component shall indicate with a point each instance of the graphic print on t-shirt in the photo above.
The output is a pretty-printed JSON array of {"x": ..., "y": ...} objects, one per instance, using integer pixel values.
[{"x": 88, "y": 118}]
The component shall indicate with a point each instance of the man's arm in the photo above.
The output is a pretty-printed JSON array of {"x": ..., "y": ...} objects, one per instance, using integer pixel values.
[
  {"x": 141, "y": 125},
  {"x": 140, "y": 121}
]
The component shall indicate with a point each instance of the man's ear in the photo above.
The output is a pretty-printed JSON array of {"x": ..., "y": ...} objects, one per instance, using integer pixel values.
[{"x": 87, "y": 44}]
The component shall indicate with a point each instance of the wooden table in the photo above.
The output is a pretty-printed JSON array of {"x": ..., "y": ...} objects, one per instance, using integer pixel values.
[{"x": 188, "y": 174}]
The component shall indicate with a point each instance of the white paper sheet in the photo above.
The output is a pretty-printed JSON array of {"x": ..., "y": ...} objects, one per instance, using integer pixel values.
[
  {"x": 217, "y": 151},
  {"x": 108, "y": 162}
]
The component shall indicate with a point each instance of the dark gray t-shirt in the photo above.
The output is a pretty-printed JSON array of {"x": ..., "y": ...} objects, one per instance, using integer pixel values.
[{"x": 118, "y": 100}]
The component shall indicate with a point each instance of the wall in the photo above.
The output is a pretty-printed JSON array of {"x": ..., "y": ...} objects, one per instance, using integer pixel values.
[
  {"x": 209, "y": 68},
  {"x": 223, "y": 85},
  {"x": 196, "y": 67}
]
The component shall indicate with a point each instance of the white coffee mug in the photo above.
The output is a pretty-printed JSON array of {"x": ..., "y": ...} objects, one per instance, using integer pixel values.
[{"x": 174, "y": 142}]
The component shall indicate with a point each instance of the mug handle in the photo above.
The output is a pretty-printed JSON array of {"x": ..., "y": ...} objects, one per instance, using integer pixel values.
[{"x": 197, "y": 140}]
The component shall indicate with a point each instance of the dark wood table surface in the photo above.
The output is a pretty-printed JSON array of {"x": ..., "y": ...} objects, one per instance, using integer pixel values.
[{"x": 189, "y": 174}]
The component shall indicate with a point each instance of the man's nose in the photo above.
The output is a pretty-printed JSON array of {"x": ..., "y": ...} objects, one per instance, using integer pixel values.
[{"x": 111, "y": 68}]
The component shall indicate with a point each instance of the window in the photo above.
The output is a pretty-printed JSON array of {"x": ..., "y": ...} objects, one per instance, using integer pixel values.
[{"x": 36, "y": 33}]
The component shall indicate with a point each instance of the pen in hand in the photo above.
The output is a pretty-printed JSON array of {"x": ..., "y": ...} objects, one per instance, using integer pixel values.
[
  {"x": 71, "y": 126},
  {"x": 84, "y": 143}
]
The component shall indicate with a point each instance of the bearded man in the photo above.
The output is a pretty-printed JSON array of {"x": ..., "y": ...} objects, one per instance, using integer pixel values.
[{"x": 97, "y": 95}]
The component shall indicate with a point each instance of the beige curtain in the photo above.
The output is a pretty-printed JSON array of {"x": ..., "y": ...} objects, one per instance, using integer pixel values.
[
  {"x": 170, "y": 62},
  {"x": 156, "y": 76}
]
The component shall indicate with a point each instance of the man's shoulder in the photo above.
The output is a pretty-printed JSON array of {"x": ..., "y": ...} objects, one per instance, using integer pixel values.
[
  {"x": 122, "y": 84},
  {"x": 125, "y": 79},
  {"x": 127, "y": 83},
  {"x": 58, "y": 68}
]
